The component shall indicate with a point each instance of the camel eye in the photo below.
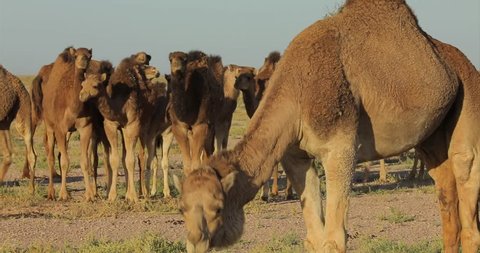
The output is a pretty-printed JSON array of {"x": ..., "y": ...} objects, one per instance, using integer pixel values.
[{"x": 219, "y": 211}]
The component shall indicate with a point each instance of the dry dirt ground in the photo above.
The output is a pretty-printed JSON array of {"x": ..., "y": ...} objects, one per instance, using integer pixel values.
[{"x": 398, "y": 211}]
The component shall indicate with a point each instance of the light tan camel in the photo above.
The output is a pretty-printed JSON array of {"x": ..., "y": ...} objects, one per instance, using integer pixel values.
[
  {"x": 324, "y": 101},
  {"x": 129, "y": 104},
  {"x": 234, "y": 76},
  {"x": 15, "y": 104},
  {"x": 63, "y": 112},
  {"x": 196, "y": 93}
]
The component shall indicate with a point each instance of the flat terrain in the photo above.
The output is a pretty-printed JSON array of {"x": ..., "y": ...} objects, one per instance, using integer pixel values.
[{"x": 397, "y": 216}]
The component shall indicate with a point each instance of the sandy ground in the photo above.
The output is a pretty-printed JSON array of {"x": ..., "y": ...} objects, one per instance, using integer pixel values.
[{"x": 45, "y": 224}]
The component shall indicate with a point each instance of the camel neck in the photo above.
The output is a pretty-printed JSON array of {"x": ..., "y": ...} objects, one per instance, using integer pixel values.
[
  {"x": 250, "y": 102},
  {"x": 272, "y": 129}
]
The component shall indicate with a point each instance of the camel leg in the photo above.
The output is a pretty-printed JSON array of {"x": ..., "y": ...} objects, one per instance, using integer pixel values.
[
  {"x": 275, "y": 181},
  {"x": 130, "y": 135},
  {"x": 155, "y": 166},
  {"x": 61, "y": 139},
  {"x": 413, "y": 171},
  {"x": 94, "y": 153},
  {"x": 106, "y": 161},
  {"x": 299, "y": 168},
  {"x": 466, "y": 169},
  {"x": 31, "y": 157},
  {"x": 167, "y": 142},
  {"x": 200, "y": 134},
  {"x": 142, "y": 167},
  {"x": 7, "y": 152},
  {"x": 339, "y": 167},
  {"x": 86, "y": 150},
  {"x": 446, "y": 191},
  {"x": 50, "y": 148},
  {"x": 421, "y": 172},
  {"x": 383, "y": 171},
  {"x": 219, "y": 136},
  {"x": 265, "y": 191},
  {"x": 289, "y": 190},
  {"x": 151, "y": 153},
  {"x": 111, "y": 132},
  {"x": 181, "y": 135}
]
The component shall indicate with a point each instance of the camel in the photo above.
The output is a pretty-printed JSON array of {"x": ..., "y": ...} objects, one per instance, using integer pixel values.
[
  {"x": 15, "y": 104},
  {"x": 99, "y": 133},
  {"x": 234, "y": 77},
  {"x": 196, "y": 92},
  {"x": 324, "y": 102},
  {"x": 62, "y": 112},
  {"x": 127, "y": 103}
]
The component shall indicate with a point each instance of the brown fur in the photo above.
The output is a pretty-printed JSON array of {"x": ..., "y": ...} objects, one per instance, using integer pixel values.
[
  {"x": 15, "y": 104},
  {"x": 195, "y": 94},
  {"x": 323, "y": 102},
  {"x": 129, "y": 103},
  {"x": 63, "y": 112}
]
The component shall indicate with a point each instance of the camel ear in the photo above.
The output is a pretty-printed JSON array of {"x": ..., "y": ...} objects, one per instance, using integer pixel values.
[
  {"x": 72, "y": 51},
  {"x": 90, "y": 51},
  {"x": 230, "y": 67},
  {"x": 148, "y": 58},
  {"x": 228, "y": 181},
  {"x": 103, "y": 77}
]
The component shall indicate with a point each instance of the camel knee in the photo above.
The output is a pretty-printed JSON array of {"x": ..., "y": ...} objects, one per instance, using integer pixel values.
[{"x": 462, "y": 166}]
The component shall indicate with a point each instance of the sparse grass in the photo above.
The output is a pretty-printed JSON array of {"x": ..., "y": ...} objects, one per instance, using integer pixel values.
[
  {"x": 386, "y": 246},
  {"x": 288, "y": 243},
  {"x": 145, "y": 243},
  {"x": 397, "y": 216}
]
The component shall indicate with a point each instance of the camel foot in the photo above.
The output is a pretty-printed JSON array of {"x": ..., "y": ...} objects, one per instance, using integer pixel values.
[
  {"x": 51, "y": 194},
  {"x": 153, "y": 191},
  {"x": 112, "y": 196},
  {"x": 274, "y": 193},
  {"x": 331, "y": 247},
  {"x": 167, "y": 194},
  {"x": 289, "y": 197},
  {"x": 131, "y": 197},
  {"x": 265, "y": 198},
  {"x": 64, "y": 196}
]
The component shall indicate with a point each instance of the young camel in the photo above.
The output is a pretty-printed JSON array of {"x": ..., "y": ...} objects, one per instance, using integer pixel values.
[
  {"x": 63, "y": 112},
  {"x": 15, "y": 104},
  {"x": 196, "y": 92},
  {"x": 120, "y": 98},
  {"x": 327, "y": 105}
]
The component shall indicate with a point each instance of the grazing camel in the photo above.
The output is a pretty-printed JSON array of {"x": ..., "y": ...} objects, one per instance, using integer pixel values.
[
  {"x": 234, "y": 77},
  {"x": 196, "y": 92},
  {"x": 63, "y": 112},
  {"x": 15, "y": 104},
  {"x": 324, "y": 102},
  {"x": 121, "y": 99}
]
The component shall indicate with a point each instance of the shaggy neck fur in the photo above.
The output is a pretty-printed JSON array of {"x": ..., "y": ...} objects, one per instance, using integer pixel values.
[{"x": 271, "y": 131}]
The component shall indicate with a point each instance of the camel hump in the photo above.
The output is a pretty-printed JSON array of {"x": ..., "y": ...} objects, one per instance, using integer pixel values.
[{"x": 9, "y": 96}]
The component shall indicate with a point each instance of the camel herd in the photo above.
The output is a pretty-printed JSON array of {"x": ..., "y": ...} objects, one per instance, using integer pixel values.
[{"x": 349, "y": 88}]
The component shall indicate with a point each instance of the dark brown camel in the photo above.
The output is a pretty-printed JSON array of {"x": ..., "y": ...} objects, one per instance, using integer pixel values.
[
  {"x": 123, "y": 100},
  {"x": 196, "y": 92},
  {"x": 15, "y": 104}
]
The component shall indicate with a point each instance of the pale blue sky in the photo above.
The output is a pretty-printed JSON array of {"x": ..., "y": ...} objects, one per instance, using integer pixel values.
[{"x": 33, "y": 32}]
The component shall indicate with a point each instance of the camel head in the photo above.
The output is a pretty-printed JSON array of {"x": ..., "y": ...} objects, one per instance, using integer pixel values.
[
  {"x": 141, "y": 58},
  {"x": 245, "y": 78},
  {"x": 266, "y": 70},
  {"x": 150, "y": 72},
  {"x": 82, "y": 57},
  {"x": 197, "y": 61},
  {"x": 96, "y": 80},
  {"x": 178, "y": 62},
  {"x": 211, "y": 220}
]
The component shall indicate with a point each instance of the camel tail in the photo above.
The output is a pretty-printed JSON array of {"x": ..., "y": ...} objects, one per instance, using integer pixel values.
[{"x": 37, "y": 97}]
